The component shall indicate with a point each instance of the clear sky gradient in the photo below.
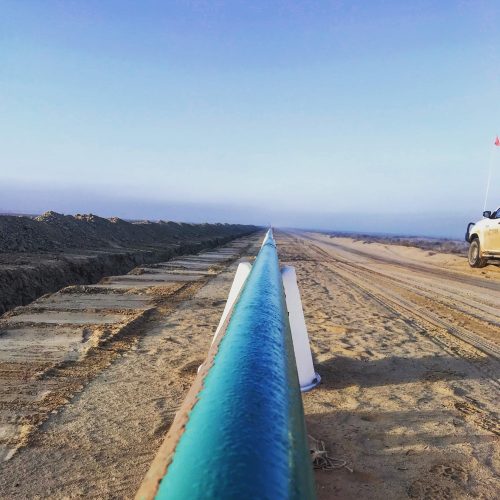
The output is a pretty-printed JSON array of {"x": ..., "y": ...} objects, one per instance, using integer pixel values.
[{"x": 373, "y": 116}]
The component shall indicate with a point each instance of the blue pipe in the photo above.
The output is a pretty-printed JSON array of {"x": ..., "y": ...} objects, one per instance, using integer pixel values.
[{"x": 245, "y": 436}]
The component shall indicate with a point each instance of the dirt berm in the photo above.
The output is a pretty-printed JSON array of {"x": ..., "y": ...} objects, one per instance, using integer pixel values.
[{"x": 43, "y": 254}]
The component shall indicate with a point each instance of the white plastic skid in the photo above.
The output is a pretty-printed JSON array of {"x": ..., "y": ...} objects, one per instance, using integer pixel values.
[{"x": 308, "y": 378}]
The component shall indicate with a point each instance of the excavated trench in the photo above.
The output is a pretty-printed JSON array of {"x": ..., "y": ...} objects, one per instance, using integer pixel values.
[{"x": 26, "y": 276}]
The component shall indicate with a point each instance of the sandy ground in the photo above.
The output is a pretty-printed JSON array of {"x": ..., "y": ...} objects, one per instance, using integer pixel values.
[{"x": 406, "y": 342}]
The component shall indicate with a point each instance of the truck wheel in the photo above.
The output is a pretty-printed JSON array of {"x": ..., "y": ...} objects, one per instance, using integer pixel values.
[{"x": 475, "y": 259}]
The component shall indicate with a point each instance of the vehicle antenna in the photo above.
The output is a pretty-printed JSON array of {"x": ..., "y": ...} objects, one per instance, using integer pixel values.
[{"x": 490, "y": 171}]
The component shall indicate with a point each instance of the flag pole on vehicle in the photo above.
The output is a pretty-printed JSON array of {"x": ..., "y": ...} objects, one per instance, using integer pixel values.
[{"x": 490, "y": 170}]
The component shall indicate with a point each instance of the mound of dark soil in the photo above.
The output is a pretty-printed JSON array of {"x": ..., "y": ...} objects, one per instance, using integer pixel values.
[{"x": 53, "y": 232}]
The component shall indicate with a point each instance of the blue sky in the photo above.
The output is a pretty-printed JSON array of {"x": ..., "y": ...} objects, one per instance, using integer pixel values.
[{"x": 344, "y": 115}]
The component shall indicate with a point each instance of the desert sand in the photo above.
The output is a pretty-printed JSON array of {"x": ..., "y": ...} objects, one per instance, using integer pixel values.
[
  {"x": 407, "y": 344},
  {"x": 405, "y": 340}
]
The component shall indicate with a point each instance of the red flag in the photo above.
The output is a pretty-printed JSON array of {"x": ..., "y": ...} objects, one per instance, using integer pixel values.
[{"x": 497, "y": 142}]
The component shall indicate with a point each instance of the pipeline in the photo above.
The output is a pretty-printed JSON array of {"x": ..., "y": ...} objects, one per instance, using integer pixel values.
[{"x": 241, "y": 432}]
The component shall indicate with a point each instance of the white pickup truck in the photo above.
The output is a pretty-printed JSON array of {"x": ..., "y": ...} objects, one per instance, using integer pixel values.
[{"x": 484, "y": 239}]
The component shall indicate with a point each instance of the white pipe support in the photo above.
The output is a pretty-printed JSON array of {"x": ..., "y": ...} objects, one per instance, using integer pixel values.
[
  {"x": 308, "y": 378},
  {"x": 240, "y": 278}
]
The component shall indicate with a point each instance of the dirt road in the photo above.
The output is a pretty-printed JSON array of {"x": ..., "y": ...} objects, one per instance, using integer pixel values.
[{"x": 407, "y": 344}]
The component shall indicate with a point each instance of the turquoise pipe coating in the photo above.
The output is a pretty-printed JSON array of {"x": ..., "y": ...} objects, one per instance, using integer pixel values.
[{"x": 245, "y": 437}]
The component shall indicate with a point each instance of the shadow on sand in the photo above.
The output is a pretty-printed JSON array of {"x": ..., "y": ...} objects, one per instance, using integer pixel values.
[{"x": 340, "y": 371}]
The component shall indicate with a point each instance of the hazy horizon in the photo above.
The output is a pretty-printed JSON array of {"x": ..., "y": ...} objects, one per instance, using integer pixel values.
[
  {"x": 373, "y": 116},
  {"x": 445, "y": 225}
]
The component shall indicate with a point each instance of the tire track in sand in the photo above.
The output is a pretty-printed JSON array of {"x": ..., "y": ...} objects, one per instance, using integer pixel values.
[{"x": 441, "y": 332}]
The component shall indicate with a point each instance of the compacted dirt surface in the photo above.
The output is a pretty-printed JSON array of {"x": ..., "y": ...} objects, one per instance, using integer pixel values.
[{"x": 406, "y": 342}]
